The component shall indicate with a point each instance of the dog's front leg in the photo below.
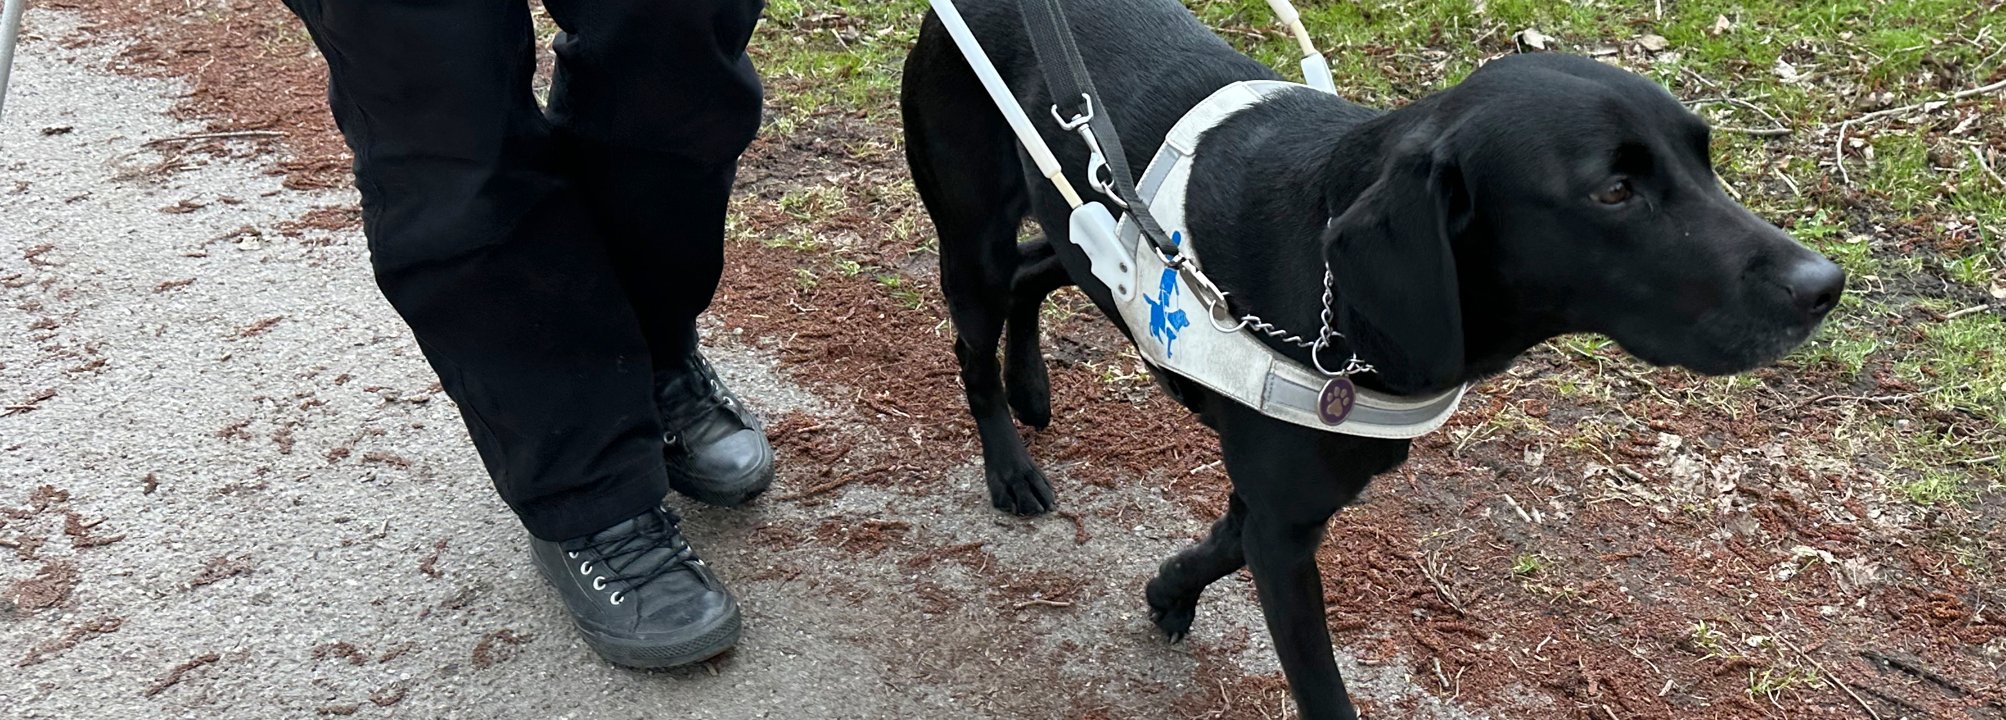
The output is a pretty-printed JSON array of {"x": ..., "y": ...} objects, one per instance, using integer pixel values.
[
  {"x": 1173, "y": 593},
  {"x": 1281, "y": 545}
]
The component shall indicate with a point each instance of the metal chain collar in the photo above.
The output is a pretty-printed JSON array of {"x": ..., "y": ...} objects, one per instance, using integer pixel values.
[{"x": 1250, "y": 321}]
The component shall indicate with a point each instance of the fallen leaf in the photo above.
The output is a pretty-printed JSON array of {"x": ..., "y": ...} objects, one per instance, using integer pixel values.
[
  {"x": 1654, "y": 43},
  {"x": 1999, "y": 289},
  {"x": 1721, "y": 25},
  {"x": 1786, "y": 71},
  {"x": 1531, "y": 38}
]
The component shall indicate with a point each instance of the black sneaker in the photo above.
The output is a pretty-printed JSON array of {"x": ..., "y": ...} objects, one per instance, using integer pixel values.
[
  {"x": 639, "y": 595},
  {"x": 715, "y": 447}
]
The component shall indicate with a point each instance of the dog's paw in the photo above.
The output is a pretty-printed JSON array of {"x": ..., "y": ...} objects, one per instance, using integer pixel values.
[
  {"x": 1172, "y": 615},
  {"x": 1021, "y": 490},
  {"x": 1030, "y": 392}
]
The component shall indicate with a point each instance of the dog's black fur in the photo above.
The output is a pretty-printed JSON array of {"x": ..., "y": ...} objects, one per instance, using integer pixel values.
[{"x": 1462, "y": 230}]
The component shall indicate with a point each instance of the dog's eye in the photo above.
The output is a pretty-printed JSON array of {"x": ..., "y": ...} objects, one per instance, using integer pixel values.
[{"x": 1616, "y": 193}]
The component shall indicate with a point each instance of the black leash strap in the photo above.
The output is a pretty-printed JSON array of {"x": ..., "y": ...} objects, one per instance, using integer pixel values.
[{"x": 1052, "y": 41}]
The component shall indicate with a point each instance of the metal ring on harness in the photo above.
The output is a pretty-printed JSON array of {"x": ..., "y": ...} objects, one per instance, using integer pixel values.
[
  {"x": 1100, "y": 177},
  {"x": 1212, "y": 313},
  {"x": 1316, "y": 355}
]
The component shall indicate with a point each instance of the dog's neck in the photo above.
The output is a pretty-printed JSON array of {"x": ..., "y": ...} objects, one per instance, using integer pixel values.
[{"x": 1303, "y": 159}]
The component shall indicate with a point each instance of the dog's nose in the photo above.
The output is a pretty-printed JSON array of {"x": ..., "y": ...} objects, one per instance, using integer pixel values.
[{"x": 1814, "y": 284}]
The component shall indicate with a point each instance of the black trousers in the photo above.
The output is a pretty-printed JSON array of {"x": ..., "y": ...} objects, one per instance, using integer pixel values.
[{"x": 547, "y": 262}]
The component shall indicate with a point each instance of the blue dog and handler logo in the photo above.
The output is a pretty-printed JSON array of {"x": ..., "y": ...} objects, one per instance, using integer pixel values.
[{"x": 1164, "y": 321}]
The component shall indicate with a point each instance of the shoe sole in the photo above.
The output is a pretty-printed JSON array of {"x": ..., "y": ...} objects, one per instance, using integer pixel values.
[{"x": 627, "y": 653}]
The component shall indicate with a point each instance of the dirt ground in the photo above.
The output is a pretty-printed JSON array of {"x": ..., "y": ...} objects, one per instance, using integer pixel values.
[{"x": 232, "y": 488}]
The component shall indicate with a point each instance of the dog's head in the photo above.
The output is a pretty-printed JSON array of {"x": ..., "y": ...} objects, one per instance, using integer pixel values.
[{"x": 1549, "y": 194}]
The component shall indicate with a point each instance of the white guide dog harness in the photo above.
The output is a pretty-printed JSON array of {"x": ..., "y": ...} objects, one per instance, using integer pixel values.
[
  {"x": 1175, "y": 331},
  {"x": 1160, "y": 300}
]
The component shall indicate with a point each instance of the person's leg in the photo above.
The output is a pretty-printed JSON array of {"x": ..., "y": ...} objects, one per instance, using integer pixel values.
[
  {"x": 488, "y": 251},
  {"x": 653, "y": 102}
]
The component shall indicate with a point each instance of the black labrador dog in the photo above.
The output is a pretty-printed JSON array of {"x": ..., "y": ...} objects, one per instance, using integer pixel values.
[{"x": 1544, "y": 195}]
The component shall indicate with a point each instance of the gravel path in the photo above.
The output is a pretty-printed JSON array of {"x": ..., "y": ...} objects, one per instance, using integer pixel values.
[{"x": 230, "y": 488}]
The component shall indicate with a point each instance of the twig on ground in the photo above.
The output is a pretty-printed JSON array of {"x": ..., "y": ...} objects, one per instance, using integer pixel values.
[
  {"x": 879, "y": 406},
  {"x": 1794, "y": 190},
  {"x": 1777, "y": 127},
  {"x": 1979, "y": 460},
  {"x": 1644, "y": 381},
  {"x": 1839, "y": 146},
  {"x": 32, "y": 403},
  {"x": 1953, "y": 97},
  {"x": 1042, "y": 601},
  {"x": 1728, "y": 185},
  {"x": 1433, "y": 573},
  {"x": 1758, "y": 132},
  {"x": 1080, "y": 534},
  {"x": 1877, "y": 399},
  {"x": 1828, "y": 673},
  {"x": 1967, "y": 311},
  {"x": 175, "y": 674},
  {"x": 215, "y": 136},
  {"x": 1701, "y": 78},
  {"x": 1987, "y": 167}
]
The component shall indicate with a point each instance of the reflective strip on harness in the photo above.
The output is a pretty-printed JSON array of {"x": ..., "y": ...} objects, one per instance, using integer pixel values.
[{"x": 1170, "y": 326}]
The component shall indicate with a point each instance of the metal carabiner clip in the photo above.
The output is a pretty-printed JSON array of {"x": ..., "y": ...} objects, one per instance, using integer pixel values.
[{"x": 1100, "y": 177}]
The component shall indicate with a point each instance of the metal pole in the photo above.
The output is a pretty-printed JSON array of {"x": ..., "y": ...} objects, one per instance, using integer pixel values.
[{"x": 10, "y": 34}]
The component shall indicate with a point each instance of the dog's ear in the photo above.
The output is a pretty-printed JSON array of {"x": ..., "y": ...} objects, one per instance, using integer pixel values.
[{"x": 1395, "y": 272}]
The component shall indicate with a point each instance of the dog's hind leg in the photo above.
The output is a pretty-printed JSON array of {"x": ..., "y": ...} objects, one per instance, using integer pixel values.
[
  {"x": 966, "y": 167},
  {"x": 1039, "y": 272},
  {"x": 1173, "y": 593}
]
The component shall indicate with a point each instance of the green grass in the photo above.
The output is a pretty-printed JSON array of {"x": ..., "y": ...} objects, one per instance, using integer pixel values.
[
  {"x": 1937, "y": 487},
  {"x": 903, "y": 291},
  {"x": 1963, "y": 364},
  {"x": 1771, "y": 683},
  {"x": 1710, "y": 640},
  {"x": 843, "y": 54}
]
